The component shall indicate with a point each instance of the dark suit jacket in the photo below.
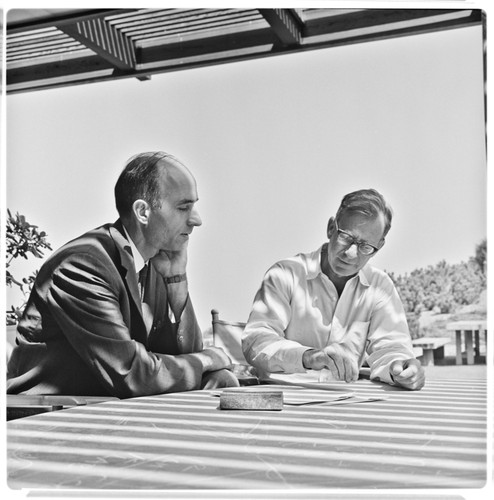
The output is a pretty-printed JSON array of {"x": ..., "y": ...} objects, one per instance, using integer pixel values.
[{"x": 83, "y": 331}]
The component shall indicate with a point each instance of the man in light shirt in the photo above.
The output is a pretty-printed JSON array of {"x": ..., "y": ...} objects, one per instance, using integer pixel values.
[
  {"x": 110, "y": 312},
  {"x": 331, "y": 310}
]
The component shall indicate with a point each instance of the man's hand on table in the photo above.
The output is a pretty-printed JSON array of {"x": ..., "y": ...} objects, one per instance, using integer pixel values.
[
  {"x": 408, "y": 373},
  {"x": 337, "y": 358},
  {"x": 214, "y": 358}
]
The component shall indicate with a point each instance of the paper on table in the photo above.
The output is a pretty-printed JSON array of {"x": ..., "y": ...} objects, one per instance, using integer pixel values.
[{"x": 314, "y": 379}]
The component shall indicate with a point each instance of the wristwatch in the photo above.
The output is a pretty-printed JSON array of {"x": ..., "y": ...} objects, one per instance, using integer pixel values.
[{"x": 177, "y": 278}]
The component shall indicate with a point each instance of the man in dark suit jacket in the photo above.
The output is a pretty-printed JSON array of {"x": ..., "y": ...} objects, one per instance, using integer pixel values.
[{"x": 90, "y": 327}]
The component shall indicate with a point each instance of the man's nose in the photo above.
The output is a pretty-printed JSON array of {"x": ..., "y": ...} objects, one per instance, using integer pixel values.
[
  {"x": 352, "y": 251},
  {"x": 195, "y": 218}
]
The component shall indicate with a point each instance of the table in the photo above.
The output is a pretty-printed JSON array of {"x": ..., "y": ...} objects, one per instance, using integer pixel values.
[
  {"x": 432, "y": 348},
  {"x": 468, "y": 328},
  {"x": 20, "y": 405},
  {"x": 433, "y": 438}
]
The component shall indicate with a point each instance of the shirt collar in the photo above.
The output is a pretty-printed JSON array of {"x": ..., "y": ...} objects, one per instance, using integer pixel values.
[
  {"x": 314, "y": 264},
  {"x": 314, "y": 268},
  {"x": 139, "y": 261}
]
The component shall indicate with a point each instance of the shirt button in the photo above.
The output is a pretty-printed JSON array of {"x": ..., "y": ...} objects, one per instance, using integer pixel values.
[{"x": 180, "y": 338}]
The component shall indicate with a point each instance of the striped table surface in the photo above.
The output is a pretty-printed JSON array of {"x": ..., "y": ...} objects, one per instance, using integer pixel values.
[{"x": 380, "y": 437}]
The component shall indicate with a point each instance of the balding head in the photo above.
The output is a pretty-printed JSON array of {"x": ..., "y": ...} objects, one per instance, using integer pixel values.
[{"x": 141, "y": 180}]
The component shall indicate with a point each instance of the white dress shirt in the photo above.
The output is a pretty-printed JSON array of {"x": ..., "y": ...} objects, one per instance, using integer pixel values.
[
  {"x": 297, "y": 308},
  {"x": 139, "y": 263}
]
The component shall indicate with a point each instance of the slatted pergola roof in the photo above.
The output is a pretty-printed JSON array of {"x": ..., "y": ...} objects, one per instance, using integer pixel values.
[{"x": 49, "y": 48}]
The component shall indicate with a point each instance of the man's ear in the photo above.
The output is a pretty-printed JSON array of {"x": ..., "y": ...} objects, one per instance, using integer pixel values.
[
  {"x": 141, "y": 211},
  {"x": 331, "y": 227}
]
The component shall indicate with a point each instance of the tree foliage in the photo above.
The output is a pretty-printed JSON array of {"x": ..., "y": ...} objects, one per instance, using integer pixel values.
[
  {"x": 22, "y": 240},
  {"x": 442, "y": 287},
  {"x": 481, "y": 255}
]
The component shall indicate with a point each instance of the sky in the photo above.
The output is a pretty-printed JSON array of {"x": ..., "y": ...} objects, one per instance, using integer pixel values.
[{"x": 274, "y": 145}]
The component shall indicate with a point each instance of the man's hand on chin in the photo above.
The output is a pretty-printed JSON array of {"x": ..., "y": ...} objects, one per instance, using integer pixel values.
[
  {"x": 408, "y": 373},
  {"x": 171, "y": 262}
]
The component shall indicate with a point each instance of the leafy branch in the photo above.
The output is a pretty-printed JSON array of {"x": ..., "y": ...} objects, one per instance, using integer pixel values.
[{"x": 22, "y": 240}]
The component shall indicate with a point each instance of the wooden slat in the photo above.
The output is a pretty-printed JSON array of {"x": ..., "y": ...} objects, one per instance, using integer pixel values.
[
  {"x": 162, "y": 30},
  {"x": 26, "y": 53},
  {"x": 56, "y": 19},
  {"x": 186, "y": 18}
]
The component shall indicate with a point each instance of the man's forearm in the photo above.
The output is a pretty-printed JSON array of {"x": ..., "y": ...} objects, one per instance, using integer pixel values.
[{"x": 178, "y": 291}]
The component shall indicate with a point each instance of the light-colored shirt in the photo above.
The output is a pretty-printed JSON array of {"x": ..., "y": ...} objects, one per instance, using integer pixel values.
[
  {"x": 139, "y": 261},
  {"x": 297, "y": 308}
]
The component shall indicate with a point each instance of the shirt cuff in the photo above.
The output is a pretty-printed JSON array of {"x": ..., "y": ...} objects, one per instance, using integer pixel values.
[{"x": 383, "y": 374}]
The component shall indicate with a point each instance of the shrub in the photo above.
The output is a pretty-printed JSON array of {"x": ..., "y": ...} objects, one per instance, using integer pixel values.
[
  {"x": 22, "y": 240},
  {"x": 443, "y": 287}
]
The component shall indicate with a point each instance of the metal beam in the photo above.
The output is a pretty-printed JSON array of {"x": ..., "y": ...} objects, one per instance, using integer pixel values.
[{"x": 285, "y": 24}]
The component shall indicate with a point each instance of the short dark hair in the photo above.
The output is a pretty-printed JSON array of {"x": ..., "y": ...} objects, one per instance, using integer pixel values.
[
  {"x": 140, "y": 180},
  {"x": 368, "y": 202}
]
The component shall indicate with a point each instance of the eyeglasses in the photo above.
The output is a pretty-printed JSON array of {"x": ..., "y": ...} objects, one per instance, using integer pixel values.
[{"x": 348, "y": 240}]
